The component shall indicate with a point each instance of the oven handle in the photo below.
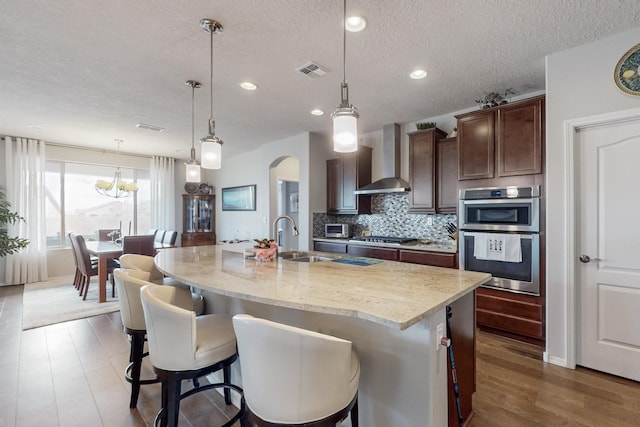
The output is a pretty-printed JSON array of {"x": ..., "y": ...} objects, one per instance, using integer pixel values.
[{"x": 522, "y": 236}]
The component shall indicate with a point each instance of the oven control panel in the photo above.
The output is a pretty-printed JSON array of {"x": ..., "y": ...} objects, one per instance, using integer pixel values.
[{"x": 500, "y": 193}]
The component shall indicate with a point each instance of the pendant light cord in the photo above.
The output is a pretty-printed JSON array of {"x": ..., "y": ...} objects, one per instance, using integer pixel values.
[
  {"x": 344, "y": 42},
  {"x": 193, "y": 106},
  {"x": 211, "y": 83}
]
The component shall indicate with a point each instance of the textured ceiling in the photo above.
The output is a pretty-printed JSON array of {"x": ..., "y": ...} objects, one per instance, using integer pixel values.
[{"x": 84, "y": 72}]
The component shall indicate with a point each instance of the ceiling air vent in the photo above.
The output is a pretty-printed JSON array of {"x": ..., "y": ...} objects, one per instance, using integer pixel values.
[
  {"x": 312, "y": 70},
  {"x": 151, "y": 128}
]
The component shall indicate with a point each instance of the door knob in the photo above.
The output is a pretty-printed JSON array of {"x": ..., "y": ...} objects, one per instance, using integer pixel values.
[{"x": 587, "y": 258}]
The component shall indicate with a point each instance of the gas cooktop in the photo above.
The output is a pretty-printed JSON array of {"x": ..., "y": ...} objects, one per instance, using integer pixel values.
[{"x": 383, "y": 239}]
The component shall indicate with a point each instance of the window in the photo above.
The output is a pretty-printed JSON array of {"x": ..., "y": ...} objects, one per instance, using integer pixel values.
[{"x": 73, "y": 204}]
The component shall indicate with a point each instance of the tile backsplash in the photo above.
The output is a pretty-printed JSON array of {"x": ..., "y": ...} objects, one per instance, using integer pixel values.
[{"x": 389, "y": 217}]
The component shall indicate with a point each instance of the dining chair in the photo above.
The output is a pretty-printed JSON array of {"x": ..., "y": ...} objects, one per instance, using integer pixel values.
[
  {"x": 170, "y": 237},
  {"x": 183, "y": 346},
  {"x": 78, "y": 275},
  {"x": 142, "y": 244},
  {"x": 293, "y": 376},
  {"x": 159, "y": 236},
  {"x": 87, "y": 268}
]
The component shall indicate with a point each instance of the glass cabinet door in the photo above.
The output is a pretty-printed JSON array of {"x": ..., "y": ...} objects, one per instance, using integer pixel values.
[
  {"x": 190, "y": 215},
  {"x": 204, "y": 215}
]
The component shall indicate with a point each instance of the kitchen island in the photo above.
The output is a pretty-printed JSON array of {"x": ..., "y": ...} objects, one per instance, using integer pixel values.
[{"x": 391, "y": 311}]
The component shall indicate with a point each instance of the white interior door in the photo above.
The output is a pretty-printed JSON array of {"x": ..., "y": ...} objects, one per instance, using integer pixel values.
[{"x": 608, "y": 232}]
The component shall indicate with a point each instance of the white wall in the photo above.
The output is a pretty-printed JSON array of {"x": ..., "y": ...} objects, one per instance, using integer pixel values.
[
  {"x": 579, "y": 84},
  {"x": 253, "y": 167}
]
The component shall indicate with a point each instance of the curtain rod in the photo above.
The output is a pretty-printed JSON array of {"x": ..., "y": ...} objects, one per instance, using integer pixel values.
[{"x": 79, "y": 147}]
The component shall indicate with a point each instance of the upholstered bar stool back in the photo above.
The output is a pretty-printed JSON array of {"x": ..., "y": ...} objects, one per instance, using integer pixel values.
[
  {"x": 293, "y": 376},
  {"x": 129, "y": 283},
  {"x": 183, "y": 346},
  {"x": 146, "y": 263}
]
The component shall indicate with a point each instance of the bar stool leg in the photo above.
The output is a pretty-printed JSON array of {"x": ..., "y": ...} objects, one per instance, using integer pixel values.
[
  {"x": 172, "y": 404},
  {"x": 227, "y": 379},
  {"x": 136, "y": 355}
]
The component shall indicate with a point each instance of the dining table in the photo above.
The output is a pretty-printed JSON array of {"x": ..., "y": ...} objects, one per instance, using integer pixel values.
[{"x": 106, "y": 250}]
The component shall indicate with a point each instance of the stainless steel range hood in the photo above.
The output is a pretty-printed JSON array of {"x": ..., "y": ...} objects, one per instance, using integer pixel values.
[{"x": 391, "y": 183}]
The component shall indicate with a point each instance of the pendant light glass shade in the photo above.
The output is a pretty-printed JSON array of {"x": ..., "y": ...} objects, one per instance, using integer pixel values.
[
  {"x": 345, "y": 117},
  {"x": 193, "y": 171},
  {"x": 211, "y": 145},
  {"x": 192, "y": 166},
  {"x": 211, "y": 149}
]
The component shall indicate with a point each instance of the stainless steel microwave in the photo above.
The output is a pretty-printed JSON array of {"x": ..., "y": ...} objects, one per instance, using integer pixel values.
[{"x": 337, "y": 231}]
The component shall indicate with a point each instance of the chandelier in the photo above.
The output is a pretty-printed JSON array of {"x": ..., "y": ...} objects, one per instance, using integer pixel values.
[
  {"x": 345, "y": 117},
  {"x": 116, "y": 188},
  {"x": 211, "y": 145}
]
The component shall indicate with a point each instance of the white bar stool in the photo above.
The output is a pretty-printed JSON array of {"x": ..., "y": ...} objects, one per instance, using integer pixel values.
[
  {"x": 183, "y": 346},
  {"x": 293, "y": 376}
]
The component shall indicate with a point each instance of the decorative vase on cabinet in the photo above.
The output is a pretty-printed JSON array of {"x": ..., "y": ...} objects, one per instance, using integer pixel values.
[{"x": 199, "y": 224}]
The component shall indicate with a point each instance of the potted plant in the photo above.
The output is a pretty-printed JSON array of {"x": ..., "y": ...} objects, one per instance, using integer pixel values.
[
  {"x": 265, "y": 249},
  {"x": 9, "y": 245}
]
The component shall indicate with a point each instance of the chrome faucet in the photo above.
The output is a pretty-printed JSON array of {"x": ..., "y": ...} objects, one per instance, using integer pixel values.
[{"x": 275, "y": 223}]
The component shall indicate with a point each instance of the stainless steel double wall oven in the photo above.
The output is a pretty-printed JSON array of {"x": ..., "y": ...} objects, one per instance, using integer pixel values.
[{"x": 487, "y": 212}]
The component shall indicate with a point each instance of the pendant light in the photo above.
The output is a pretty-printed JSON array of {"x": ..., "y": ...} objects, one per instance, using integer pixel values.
[
  {"x": 116, "y": 188},
  {"x": 193, "y": 166},
  {"x": 211, "y": 145},
  {"x": 345, "y": 118}
]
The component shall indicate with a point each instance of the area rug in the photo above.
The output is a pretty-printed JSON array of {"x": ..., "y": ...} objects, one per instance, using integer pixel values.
[{"x": 57, "y": 300}]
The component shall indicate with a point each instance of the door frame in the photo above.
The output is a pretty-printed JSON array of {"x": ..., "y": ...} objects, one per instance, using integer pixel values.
[{"x": 571, "y": 183}]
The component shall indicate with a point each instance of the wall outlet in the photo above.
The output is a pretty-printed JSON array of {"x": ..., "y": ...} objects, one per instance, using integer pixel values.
[
  {"x": 264, "y": 219},
  {"x": 429, "y": 220}
]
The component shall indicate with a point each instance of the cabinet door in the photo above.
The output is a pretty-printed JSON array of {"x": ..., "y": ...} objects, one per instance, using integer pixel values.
[
  {"x": 422, "y": 198},
  {"x": 349, "y": 181},
  {"x": 476, "y": 145},
  {"x": 370, "y": 252},
  {"x": 519, "y": 139},
  {"x": 334, "y": 185},
  {"x": 447, "y": 176}
]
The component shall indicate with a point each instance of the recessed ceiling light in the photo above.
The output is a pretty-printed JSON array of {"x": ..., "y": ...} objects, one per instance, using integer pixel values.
[
  {"x": 248, "y": 86},
  {"x": 355, "y": 24},
  {"x": 317, "y": 112},
  {"x": 418, "y": 74}
]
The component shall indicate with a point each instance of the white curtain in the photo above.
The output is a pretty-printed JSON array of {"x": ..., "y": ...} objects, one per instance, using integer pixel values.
[
  {"x": 25, "y": 168},
  {"x": 162, "y": 174}
]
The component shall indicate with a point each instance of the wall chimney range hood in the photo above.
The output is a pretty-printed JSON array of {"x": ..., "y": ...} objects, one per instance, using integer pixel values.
[{"x": 392, "y": 183}]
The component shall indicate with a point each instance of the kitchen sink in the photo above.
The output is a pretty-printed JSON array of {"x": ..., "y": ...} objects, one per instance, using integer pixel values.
[
  {"x": 309, "y": 258},
  {"x": 293, "y": 254}
]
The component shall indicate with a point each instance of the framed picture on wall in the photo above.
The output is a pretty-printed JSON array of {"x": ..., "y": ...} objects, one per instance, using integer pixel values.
[
  {"x": 293, "y": 202},
  {"x": 241, "y": 198}
]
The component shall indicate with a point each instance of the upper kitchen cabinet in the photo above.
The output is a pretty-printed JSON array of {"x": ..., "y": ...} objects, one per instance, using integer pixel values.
[
  {"x": 430, "y": 163},
  {"x": 501, "y": 141},
  {"x": 346, "y": 174}
]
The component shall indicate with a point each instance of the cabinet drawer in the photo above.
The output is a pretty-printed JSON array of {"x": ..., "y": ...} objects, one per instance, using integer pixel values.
[
  {"x": 429, "y": 258},
  {"x": 336, "y": 248},
  {"x": 509, "y": 307},
  {"x": 518, "y": 325},
  {"x": 378, "y": 253}
]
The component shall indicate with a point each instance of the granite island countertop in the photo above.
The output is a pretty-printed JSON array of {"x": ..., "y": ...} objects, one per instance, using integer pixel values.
[{"x": 390, "y": 293}]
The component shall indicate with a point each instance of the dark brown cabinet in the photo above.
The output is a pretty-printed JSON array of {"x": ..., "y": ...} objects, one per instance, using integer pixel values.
[
  {"x": 435, "y": 259},
  {"x": 447, "y": 176},
  {"x": 371, "y": 252},
  {"x": 198, "y": 219},
  {"x": 502, "y": 141},
  {"x": 513, "y": 315},
  {"x": 336, "y": 248},
  {"x": 345, "y": 175},
  {"x": 423, "y": 169}
]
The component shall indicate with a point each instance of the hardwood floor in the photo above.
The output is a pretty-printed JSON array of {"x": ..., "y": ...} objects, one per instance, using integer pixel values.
[{"x": 71, "y": 374}]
